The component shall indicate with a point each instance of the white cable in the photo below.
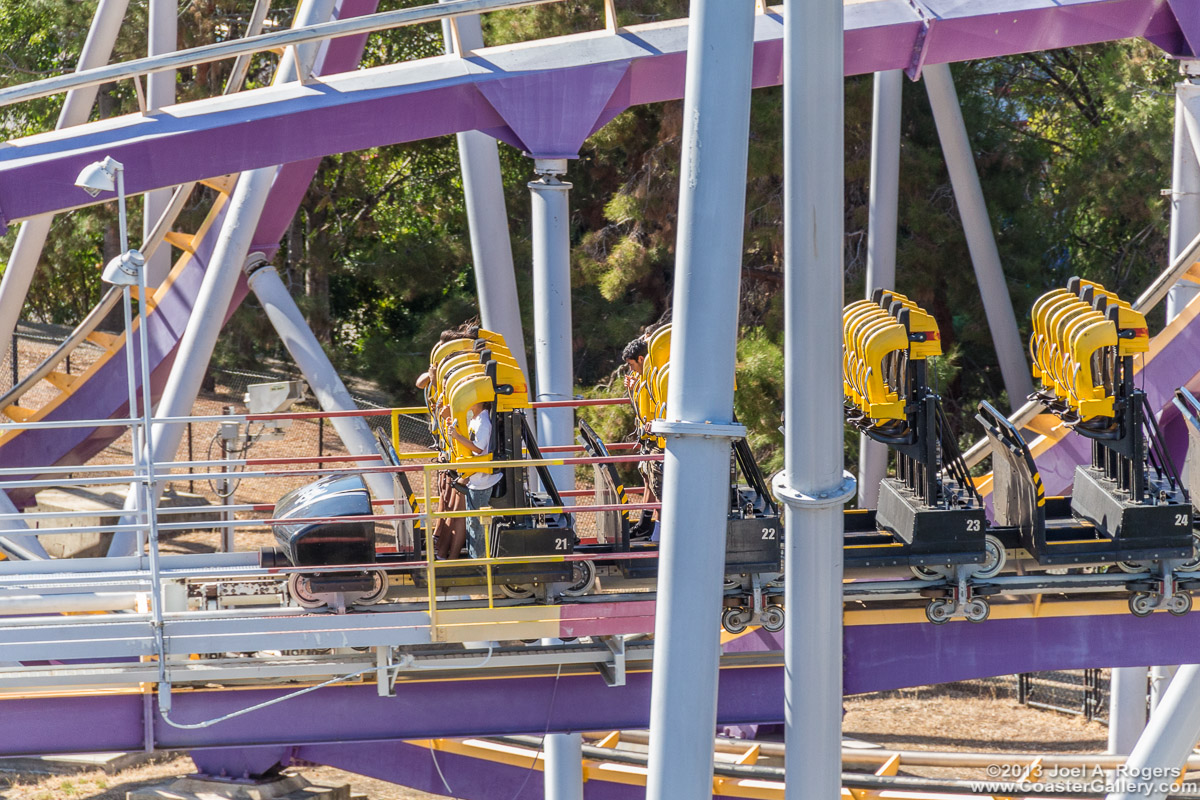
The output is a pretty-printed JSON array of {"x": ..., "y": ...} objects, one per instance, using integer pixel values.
[
  {"x": 433, "y": 755},
  {"x": 307, "y": 689}
]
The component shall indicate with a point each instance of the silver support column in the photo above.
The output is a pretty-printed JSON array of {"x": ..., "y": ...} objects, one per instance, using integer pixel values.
[
  {"x": 555, "y": 379},
  {"x": 881, "y": 244},
  {"x": 1175, "y": 714},
  {"x": 322, "y": 378},
  {"x": 977, "y": 227},
  {"x": 1168, "y": 741},
  {"x": 1127, "y": 708},
  {"x": 813, "y": 485},
  {"x": 1160, "y": 680},
  {"x": 216, "y": 291},
  {"x": 553, "y": 356},
  {"x": 76, "y": 108},
  {"x": 17, "y": 540},
  {"x": 699, "y": 419},
  {"x": 160, "y": 92},
  {"x": 564, "y": 766},
  {"x": 1185, "y": 183},
  {"x": 483, "y": 193},
  {"x": 1185, "y": 224}
]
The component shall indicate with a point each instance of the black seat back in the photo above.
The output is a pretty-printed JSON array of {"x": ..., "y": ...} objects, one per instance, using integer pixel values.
[{"x": 1018, "y": 499}]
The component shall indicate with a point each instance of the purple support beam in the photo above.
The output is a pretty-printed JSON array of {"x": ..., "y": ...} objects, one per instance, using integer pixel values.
[
  {"x": 543, "y": 96},
  {"x": 877, "y": 657}
]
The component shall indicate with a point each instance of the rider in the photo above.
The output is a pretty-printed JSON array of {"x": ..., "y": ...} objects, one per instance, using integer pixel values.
[
  {"x": 634, "y": 356},
  {"x": 479, "y": 484}
]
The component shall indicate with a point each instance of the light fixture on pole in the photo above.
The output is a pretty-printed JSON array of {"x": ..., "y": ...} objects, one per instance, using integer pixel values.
[{"x": 128, "y": 270}]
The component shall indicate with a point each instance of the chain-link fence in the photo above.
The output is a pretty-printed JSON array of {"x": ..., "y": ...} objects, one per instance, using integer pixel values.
[
  {"x": 1082, "y": 692},
  {"x": 30, "y": 345},
  {"x": 414, "y": 429}
]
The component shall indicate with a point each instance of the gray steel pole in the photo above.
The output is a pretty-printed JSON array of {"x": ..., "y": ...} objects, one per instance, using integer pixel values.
[
  {"x": 216, "y": 291},
  {"x": 1126, "y": 708},
  {"x": 977, "y": 227},
  {"x": 564, "y": 766},
  {"x": 308, "y": 354},
  {"x": 1185, "y": 224},
  {"x": 881, "y": 243},
  {"x": 160, "y": 92},
  {"x": 1160, "y": 680},
  {"x": 699, "y": 417},
  {"x": 483, "y": 193},
  {"x": 16, "y": 532},
  {"x": 813, "y": 486},
  {"x": 76, "y": 108},
  {"x": 1168, "y": 741},
  {"x": 1185, "y": 186},
  {"x": 552, "y": 328}
]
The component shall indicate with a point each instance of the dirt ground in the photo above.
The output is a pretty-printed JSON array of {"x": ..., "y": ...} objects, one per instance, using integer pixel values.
[
  {"x": 949, "y": 718},
  {"x": 96, "y": 785}
]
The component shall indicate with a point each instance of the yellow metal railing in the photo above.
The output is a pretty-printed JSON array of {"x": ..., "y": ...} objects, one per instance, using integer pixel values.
[{"x": 486, "y": 514}]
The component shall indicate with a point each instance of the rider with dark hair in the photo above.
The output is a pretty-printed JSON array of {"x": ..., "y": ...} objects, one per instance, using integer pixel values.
[{"x": 634, "y": 356}]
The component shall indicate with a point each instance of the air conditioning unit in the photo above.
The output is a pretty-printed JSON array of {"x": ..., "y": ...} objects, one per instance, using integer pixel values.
[{"x": 274, "y": 398}]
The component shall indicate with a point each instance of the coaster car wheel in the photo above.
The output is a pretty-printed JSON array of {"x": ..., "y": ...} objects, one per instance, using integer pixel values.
[
  {"x": 1142, "y": 604},
  {"x": 939, "y": 611},
  {"x": 994, "y": 558},
  {"x": 735, "y": 620},
  {"x": 300, "y": 588},
  {"x": 1193, "y": 563},
  {"x": 379, "y": 589},
  {"x": 927, "y": 573},
  {"x": 1179, "y": 604},
  {"x": 978, "y": 610},
  {"x": 584, "y": 575},
  {"x": 773, "y": 618}
]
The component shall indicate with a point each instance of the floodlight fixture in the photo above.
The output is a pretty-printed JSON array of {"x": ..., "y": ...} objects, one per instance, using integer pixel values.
[
  {"x": 99, "y": 176},
  {"x": 125, "y": 269}
]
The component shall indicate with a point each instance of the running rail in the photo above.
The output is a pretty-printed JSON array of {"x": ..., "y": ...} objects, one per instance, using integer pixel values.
[{"x": 249, "y": 45}]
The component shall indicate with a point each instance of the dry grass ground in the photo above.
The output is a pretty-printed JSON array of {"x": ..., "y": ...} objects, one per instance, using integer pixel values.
[
  {"x": 946, "y": 719},
  {"x": 96, "y": 785}
]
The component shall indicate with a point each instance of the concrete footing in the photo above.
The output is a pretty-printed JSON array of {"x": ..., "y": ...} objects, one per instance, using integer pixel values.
[
  {"x": 288, "y": 787},
  {"x": 105, "y": 502},
  {"x": 111, "y": 763}
]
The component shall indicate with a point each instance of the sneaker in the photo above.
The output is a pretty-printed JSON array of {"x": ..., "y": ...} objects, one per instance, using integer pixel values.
[{"x": 643, "y": 530}]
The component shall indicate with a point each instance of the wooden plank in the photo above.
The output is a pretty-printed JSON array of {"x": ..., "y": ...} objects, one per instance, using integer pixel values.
[
  {"x": 106, "y": 340},
  {"x": 18, "y": 414},
  {"x": 62, "y": 380},
  {"x": 222, "y": 183},
  {"x": 184, "y": 241}
]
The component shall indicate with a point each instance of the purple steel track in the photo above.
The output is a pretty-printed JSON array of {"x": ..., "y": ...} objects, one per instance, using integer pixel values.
[
  {"x": 544, "y": 97},
  {"x": 877, "y": 657}
]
